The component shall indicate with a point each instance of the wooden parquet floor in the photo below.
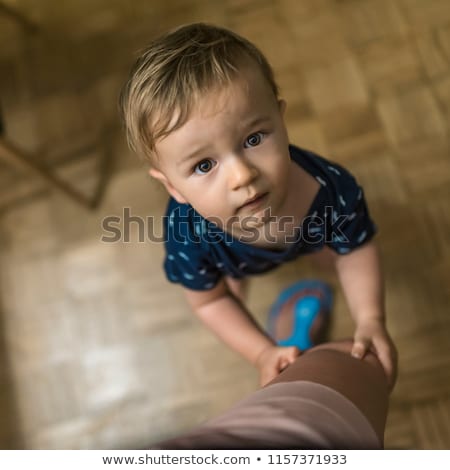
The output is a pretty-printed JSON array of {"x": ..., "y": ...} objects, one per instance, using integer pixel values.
[{"x": 98, "y": 350}]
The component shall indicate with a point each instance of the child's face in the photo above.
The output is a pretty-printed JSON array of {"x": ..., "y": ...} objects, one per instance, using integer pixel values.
[{"x": 233, "y": 147}]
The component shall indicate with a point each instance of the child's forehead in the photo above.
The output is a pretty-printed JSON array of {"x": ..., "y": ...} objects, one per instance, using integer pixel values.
[
  {"x": 247, "y": 93},
  {"x": 225, "y": 107}
]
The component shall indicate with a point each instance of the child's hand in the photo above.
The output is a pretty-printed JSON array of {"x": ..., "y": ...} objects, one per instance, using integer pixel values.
[
  {"x": 273, "y": 360},
  {"x": 372, "y": 334}
]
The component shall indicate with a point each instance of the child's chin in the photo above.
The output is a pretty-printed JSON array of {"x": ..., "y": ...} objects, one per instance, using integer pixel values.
[
  {"x": 255, "y": 220},
  {"x": 264, "y": 215}
]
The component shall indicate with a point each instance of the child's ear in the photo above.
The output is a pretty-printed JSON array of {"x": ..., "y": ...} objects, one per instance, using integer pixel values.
[{"x": 158, "y": 175}]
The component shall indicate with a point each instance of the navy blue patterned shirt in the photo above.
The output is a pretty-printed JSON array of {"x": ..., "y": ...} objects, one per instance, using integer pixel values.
[{"x": 199, "y": 253}]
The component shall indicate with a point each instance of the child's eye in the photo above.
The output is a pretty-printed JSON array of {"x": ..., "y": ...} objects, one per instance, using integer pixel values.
[
  {"x": 254, "y": 139},
  {"x": 204, "y": 167}
]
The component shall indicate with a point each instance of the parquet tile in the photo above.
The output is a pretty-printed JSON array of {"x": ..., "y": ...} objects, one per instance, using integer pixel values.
[{"x": 97, "y": 349}]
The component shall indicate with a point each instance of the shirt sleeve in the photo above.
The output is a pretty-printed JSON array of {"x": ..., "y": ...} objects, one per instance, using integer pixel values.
[
  {"x": 348, "y": 221},
  {"x": 187, "y": 260}
]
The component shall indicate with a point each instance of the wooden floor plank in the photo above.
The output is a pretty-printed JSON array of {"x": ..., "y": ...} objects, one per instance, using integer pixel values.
[{"x": 98, "y": 350}]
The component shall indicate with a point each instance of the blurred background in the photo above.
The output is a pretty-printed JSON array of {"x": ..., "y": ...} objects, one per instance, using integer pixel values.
[{"x": 97, "y": 349}]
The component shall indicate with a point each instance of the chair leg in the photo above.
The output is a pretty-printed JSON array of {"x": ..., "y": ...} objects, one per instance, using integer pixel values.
[
  {"x": 21, "y": 19},
  {"x": 16, "y": 157}
]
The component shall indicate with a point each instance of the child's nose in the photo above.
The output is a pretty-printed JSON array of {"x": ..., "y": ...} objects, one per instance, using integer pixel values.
[{"x": 242, "y": 173}]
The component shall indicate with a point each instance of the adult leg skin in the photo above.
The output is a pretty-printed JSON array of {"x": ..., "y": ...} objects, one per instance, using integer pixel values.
[{"x": 362, "y": 381}]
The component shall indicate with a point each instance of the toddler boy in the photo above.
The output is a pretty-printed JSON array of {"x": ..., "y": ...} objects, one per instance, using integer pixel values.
[{"x": 202, "y": 106}]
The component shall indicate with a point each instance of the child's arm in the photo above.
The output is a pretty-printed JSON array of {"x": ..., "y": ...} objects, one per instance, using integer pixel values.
[
  {"x": 228, "y": 318},
  {"x": 362, "y": 282}
]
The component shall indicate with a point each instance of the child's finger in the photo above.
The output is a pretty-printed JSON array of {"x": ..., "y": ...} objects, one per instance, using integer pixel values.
[
  {"x": 388, "y": 369},
  {"x": 388, "y": 363},
  {"x": 293, "y": 353},
  {"x": 289, "y": 357},
  {"x": 360, "y": 348}
]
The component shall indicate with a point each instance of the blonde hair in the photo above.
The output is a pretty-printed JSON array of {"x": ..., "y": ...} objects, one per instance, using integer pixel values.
[{"x": 173, "y": 72}]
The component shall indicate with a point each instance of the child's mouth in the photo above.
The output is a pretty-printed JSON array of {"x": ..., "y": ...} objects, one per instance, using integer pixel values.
[{"x": 255, "y": 203}]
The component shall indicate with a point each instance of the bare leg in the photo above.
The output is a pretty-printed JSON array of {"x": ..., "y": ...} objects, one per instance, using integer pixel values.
[
  {"x": 324, "y": 260},
  {"x": 361, "y": 381},
  {"x": 238, "y": 287}
]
